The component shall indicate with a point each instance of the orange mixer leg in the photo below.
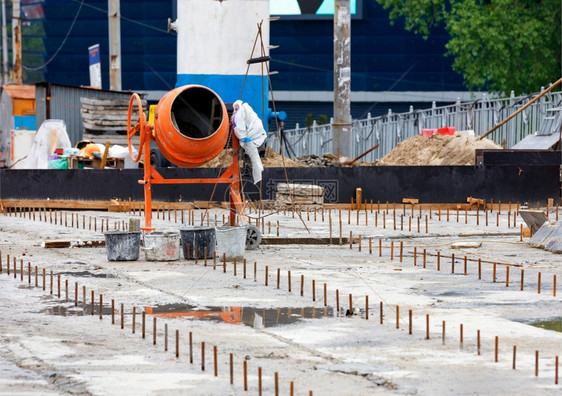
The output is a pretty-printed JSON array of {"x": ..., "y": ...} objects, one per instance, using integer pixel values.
[
  {"x": 147, "y": 181},
  {"x": 236, "y": 205}
]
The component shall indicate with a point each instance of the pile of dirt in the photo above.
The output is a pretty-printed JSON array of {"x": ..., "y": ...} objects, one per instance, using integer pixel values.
[
  {"x": 437, "y": 150},
  {"x": 270, "y": 160}
]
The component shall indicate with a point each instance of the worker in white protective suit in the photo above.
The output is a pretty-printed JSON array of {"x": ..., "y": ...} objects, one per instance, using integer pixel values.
[{"x": 251, "y": 134}]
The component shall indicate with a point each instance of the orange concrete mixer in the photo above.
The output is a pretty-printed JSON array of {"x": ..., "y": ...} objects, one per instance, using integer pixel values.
[{"x": 191, "y": 127}]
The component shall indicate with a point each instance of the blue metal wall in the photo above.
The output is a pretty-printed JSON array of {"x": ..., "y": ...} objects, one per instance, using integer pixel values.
[
  {"x": 381, "y": 53},
  {"x": 148, "y": 51}
]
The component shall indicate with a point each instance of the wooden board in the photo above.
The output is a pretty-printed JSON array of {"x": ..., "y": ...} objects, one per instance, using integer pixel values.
[
  {"x": 533, "y": 218},
  {"x": 94, "y": 205},
  {"x": 108, "y": 102},
  {"x": 541, "y": 238},
  {"x": 72, "y": 243},
  {"x": 266, "y": 240},
  {"x": 74, "y": 162}
]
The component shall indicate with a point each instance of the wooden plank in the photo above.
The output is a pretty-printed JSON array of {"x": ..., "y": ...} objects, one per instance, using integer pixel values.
[
  {"x": 91, "y": 205},
  {"x": 94, "y": 127},
  {"x": 104, "y": 158},
  {"x": 72, "y": 243},
  {"x": 108, "y": 102},
  {"x": 410, "y": 200},
  {"x": 94, "y": 117},
  {"x": 270, "y": 240},
  {"x": 74, "y": 161},
  {"x": 100, "y": 108},
  {"x": 104, "y": 122},
  {"x": 534, "y": 218},
  {"x": 424, "y": 206}
]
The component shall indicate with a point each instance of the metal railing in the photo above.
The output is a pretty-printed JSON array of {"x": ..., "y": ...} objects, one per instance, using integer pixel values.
[{"x": 390, "y": 129}]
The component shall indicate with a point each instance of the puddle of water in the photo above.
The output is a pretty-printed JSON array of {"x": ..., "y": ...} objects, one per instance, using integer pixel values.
[
  {"x": 87, "y": 274},
  {"x": 253, "y": 317},
  {"x": 555, "y": 324}
]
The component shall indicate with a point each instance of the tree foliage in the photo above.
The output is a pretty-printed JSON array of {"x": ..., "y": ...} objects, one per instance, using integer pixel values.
[{"x": 497, "y": 45}]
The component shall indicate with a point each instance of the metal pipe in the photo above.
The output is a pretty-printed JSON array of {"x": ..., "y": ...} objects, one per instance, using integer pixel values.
[{"x": 522, "y": 108}]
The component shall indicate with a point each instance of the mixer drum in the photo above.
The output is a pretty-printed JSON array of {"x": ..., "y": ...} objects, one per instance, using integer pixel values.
[{"x": 191, "y": 125}]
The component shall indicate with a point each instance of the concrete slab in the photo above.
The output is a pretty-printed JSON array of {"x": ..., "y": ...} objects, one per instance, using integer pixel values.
[{"x": 59, "y": 349}]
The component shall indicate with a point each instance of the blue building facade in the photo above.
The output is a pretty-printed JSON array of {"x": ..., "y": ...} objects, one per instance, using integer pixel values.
[{"x": 390, "y": 66}]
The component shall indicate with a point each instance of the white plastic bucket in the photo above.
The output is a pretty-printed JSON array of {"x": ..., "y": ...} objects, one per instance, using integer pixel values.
[
  {"x": 162, "y": 246},
  {"x": 232, "y": 242}
]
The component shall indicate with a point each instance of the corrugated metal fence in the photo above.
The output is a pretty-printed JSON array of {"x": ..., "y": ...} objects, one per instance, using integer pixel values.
[
  {"x": 390, "y": 129},
  {"x": 54, "y": 101}
]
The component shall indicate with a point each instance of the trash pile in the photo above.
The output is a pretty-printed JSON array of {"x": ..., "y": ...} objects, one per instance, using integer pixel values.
[{"x": 51, "y": 149}]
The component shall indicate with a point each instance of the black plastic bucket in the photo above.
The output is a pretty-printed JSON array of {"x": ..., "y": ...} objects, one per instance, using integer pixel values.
[
  {"x": 122, "y": 245},
  {"x": 200, "y": 237}
]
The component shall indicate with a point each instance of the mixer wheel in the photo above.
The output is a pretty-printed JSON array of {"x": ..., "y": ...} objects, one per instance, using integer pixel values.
[{"x": 253, "y": 237}]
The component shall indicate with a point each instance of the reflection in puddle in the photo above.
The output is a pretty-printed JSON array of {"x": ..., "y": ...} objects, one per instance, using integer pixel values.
[
  {"x": 71, "y": 310},
  {"x": 554, "y": 324},
  {"x": 253, "y": 317}
]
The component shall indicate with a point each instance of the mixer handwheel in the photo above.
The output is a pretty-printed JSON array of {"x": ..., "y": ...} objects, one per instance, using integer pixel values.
[{"x": 140, "y": 127}]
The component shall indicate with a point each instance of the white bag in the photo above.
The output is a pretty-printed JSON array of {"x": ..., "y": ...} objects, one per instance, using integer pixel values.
[{"x": 50, "y": 136}]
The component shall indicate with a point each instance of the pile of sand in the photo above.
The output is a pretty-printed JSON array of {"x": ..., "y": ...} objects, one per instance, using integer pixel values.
[
  {"x": 418, "y": 150},
  {"x": 437, "y": 150},
  {"x": 271, "y": 160}
]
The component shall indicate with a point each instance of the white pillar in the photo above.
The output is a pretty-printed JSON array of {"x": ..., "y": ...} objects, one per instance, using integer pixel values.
[{"x": 341, "y": 126}]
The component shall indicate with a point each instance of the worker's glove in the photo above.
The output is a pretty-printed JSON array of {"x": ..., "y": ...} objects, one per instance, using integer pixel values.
[{"x": 245, "y": 140}]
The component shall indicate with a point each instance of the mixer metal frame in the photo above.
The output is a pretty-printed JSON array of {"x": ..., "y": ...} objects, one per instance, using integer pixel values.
[{"x": 147, "y": 132}]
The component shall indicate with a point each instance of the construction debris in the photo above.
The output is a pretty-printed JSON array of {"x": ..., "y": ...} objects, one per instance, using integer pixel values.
[
  {"x": 300, "y": 194},
  {"x": 327, "y": 159}
]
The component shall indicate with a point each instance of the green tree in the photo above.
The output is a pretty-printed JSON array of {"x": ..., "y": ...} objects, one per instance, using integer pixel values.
[
  {"x": 497, "y": 45},
  {"x": 309, "y": 120}
]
